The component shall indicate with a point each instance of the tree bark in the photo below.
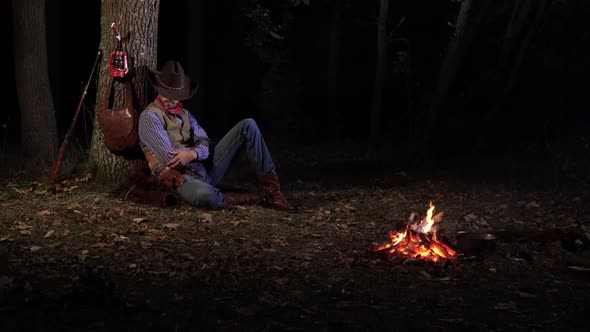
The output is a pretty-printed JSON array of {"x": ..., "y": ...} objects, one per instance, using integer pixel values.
[
  {"x": 452, "y": 61},
  {"x": 471, "y": 14},
  {"x": 228, "y": 88},
  {"x": 137, "y": 20},
  {"x": 38, "y": 122},
  {"x": 335, "y": 37},
  {"x": 518, "y": 19},
  {"x": 519, "y": 59},
  {"x": 380, "y": 71},
  {"x": 513, "y": 75},
  {"x": 194, "y": 45}
]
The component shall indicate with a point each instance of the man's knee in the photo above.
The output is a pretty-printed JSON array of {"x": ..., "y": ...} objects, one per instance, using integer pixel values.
[
  {"x": 202, "y": 196},
  {"x": 249, "y": 128},
  {"x": 248, "y": 124}
]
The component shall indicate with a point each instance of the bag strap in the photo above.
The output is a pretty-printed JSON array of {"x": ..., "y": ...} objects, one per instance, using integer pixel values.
[{"x": 128, "y": 94}]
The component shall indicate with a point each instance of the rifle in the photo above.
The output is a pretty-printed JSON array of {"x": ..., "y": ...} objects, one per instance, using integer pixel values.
[{"x": 66, "y": 142}]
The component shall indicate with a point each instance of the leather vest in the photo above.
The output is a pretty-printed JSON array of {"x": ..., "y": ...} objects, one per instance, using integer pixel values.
[{"x": 179, "y": 133}]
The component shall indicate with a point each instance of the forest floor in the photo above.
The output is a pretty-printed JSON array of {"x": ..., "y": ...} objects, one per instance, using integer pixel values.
[{"x": 76, "y": 258}]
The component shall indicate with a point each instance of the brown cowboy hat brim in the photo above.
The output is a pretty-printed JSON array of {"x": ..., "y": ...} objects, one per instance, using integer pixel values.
[{"x": 189, "y": 89}]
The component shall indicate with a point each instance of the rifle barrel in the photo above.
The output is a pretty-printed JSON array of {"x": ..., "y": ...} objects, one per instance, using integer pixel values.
[{"x": 66, "y": 142}]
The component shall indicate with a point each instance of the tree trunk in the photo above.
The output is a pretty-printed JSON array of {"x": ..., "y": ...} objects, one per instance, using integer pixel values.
[
  {"x": 228, "y": 88},
  {"x": 38, "y": 123},
  {"x": 335, "y": 36},
  {"x": 471, "y": 13},
  {"x": 514, "y": 71},
  {"x": 138, "y": 20},
  {"x": 514, "y": 30},
  {"x": 380, "y": 69},
  {"x": 452, "y": 61},
  {"x": 194, "y": 43}
]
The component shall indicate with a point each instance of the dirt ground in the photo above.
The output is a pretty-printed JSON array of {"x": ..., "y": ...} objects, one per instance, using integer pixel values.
[{"x": 76, "y": 258}]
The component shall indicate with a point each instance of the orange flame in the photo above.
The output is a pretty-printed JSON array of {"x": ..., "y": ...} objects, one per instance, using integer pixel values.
[{"x": 419, "y": 240}]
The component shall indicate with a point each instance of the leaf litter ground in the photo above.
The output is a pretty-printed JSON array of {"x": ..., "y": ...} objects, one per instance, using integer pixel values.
[{"x": 79, "y": 259}]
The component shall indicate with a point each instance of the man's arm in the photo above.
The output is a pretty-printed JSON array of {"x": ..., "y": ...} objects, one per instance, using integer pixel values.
[
  {"x": 154, "y": 136},
  {"x": 201, "y": 138}
]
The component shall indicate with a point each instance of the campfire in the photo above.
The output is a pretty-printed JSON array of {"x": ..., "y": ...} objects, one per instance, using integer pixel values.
[{"x": 419, "y": 240}]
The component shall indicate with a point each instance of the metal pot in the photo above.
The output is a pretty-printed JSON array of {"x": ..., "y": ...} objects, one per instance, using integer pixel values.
[{"x": 476, "y": 243}]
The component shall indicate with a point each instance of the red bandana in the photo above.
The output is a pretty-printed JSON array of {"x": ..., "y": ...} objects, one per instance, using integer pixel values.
[{"x": 175, "y": 110}]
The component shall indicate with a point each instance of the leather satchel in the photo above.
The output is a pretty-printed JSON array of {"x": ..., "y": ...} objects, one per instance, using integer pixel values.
[{"x": 119, "y": 125}]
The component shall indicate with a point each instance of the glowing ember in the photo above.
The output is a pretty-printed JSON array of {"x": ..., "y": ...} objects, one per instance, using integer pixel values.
[{"x": 419, "y": 240}]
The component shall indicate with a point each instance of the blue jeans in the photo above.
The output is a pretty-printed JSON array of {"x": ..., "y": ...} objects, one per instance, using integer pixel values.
[{"x": 243, "y": 137}]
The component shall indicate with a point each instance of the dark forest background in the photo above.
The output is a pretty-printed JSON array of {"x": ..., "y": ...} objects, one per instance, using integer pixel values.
[{"x": 306, "y": 74}]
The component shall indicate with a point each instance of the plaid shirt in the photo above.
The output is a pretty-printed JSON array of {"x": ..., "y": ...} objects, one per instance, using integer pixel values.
[{"x": 153, "y": 134}]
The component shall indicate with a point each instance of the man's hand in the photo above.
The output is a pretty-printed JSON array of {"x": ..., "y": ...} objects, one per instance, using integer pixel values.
[{"x": 181, "y": 158}]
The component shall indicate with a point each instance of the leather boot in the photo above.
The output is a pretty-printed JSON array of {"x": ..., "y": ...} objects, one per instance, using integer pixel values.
[
  {"x": 272, "y": 191},
  {"x": 233, "y": 198}
]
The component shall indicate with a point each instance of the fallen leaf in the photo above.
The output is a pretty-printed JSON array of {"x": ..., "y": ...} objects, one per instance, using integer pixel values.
[
  {"x": 69, "y": 189},
  {"x": 451, "y": 320},
  {"x": 342, "y": 228},
  {"x": 280, "y": 241},
  {"x": 171, "y": 226},
  {"x": 505, "y": 306},
  {"x": 281, "y": 281},
  {"x": 188, "y": 256},
  {"x": 349, "y": 207},
  {"x": 206, "y": 217},
  {"x": 44, "y": 213},
  {"x": 50, "y": 233},
  {"x": 155, "y": 231},
  {"x": 119, "y": 238},
  {"x": 74, "y": 206},
  {"x": 35, "y": 248},
  {"x": 447, "y": 278},
  {"x": 101, "y": 245},
  {"x": 249, "y": 310},
  {"x": 527, "y": 295},
  {"x": 22, "y": 226},
  {"x": 238, "y": 221},
  {"x": 85, "y": 178}
]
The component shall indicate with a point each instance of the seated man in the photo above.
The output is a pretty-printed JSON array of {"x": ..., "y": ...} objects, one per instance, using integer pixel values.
[{"x": 175, "y": 145}]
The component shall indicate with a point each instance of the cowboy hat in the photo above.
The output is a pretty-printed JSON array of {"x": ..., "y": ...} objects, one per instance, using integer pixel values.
[{"x": 172, "y": 83}]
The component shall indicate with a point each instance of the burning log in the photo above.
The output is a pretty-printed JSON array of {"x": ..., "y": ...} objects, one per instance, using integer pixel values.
[{"x": 419, "y": 241}]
